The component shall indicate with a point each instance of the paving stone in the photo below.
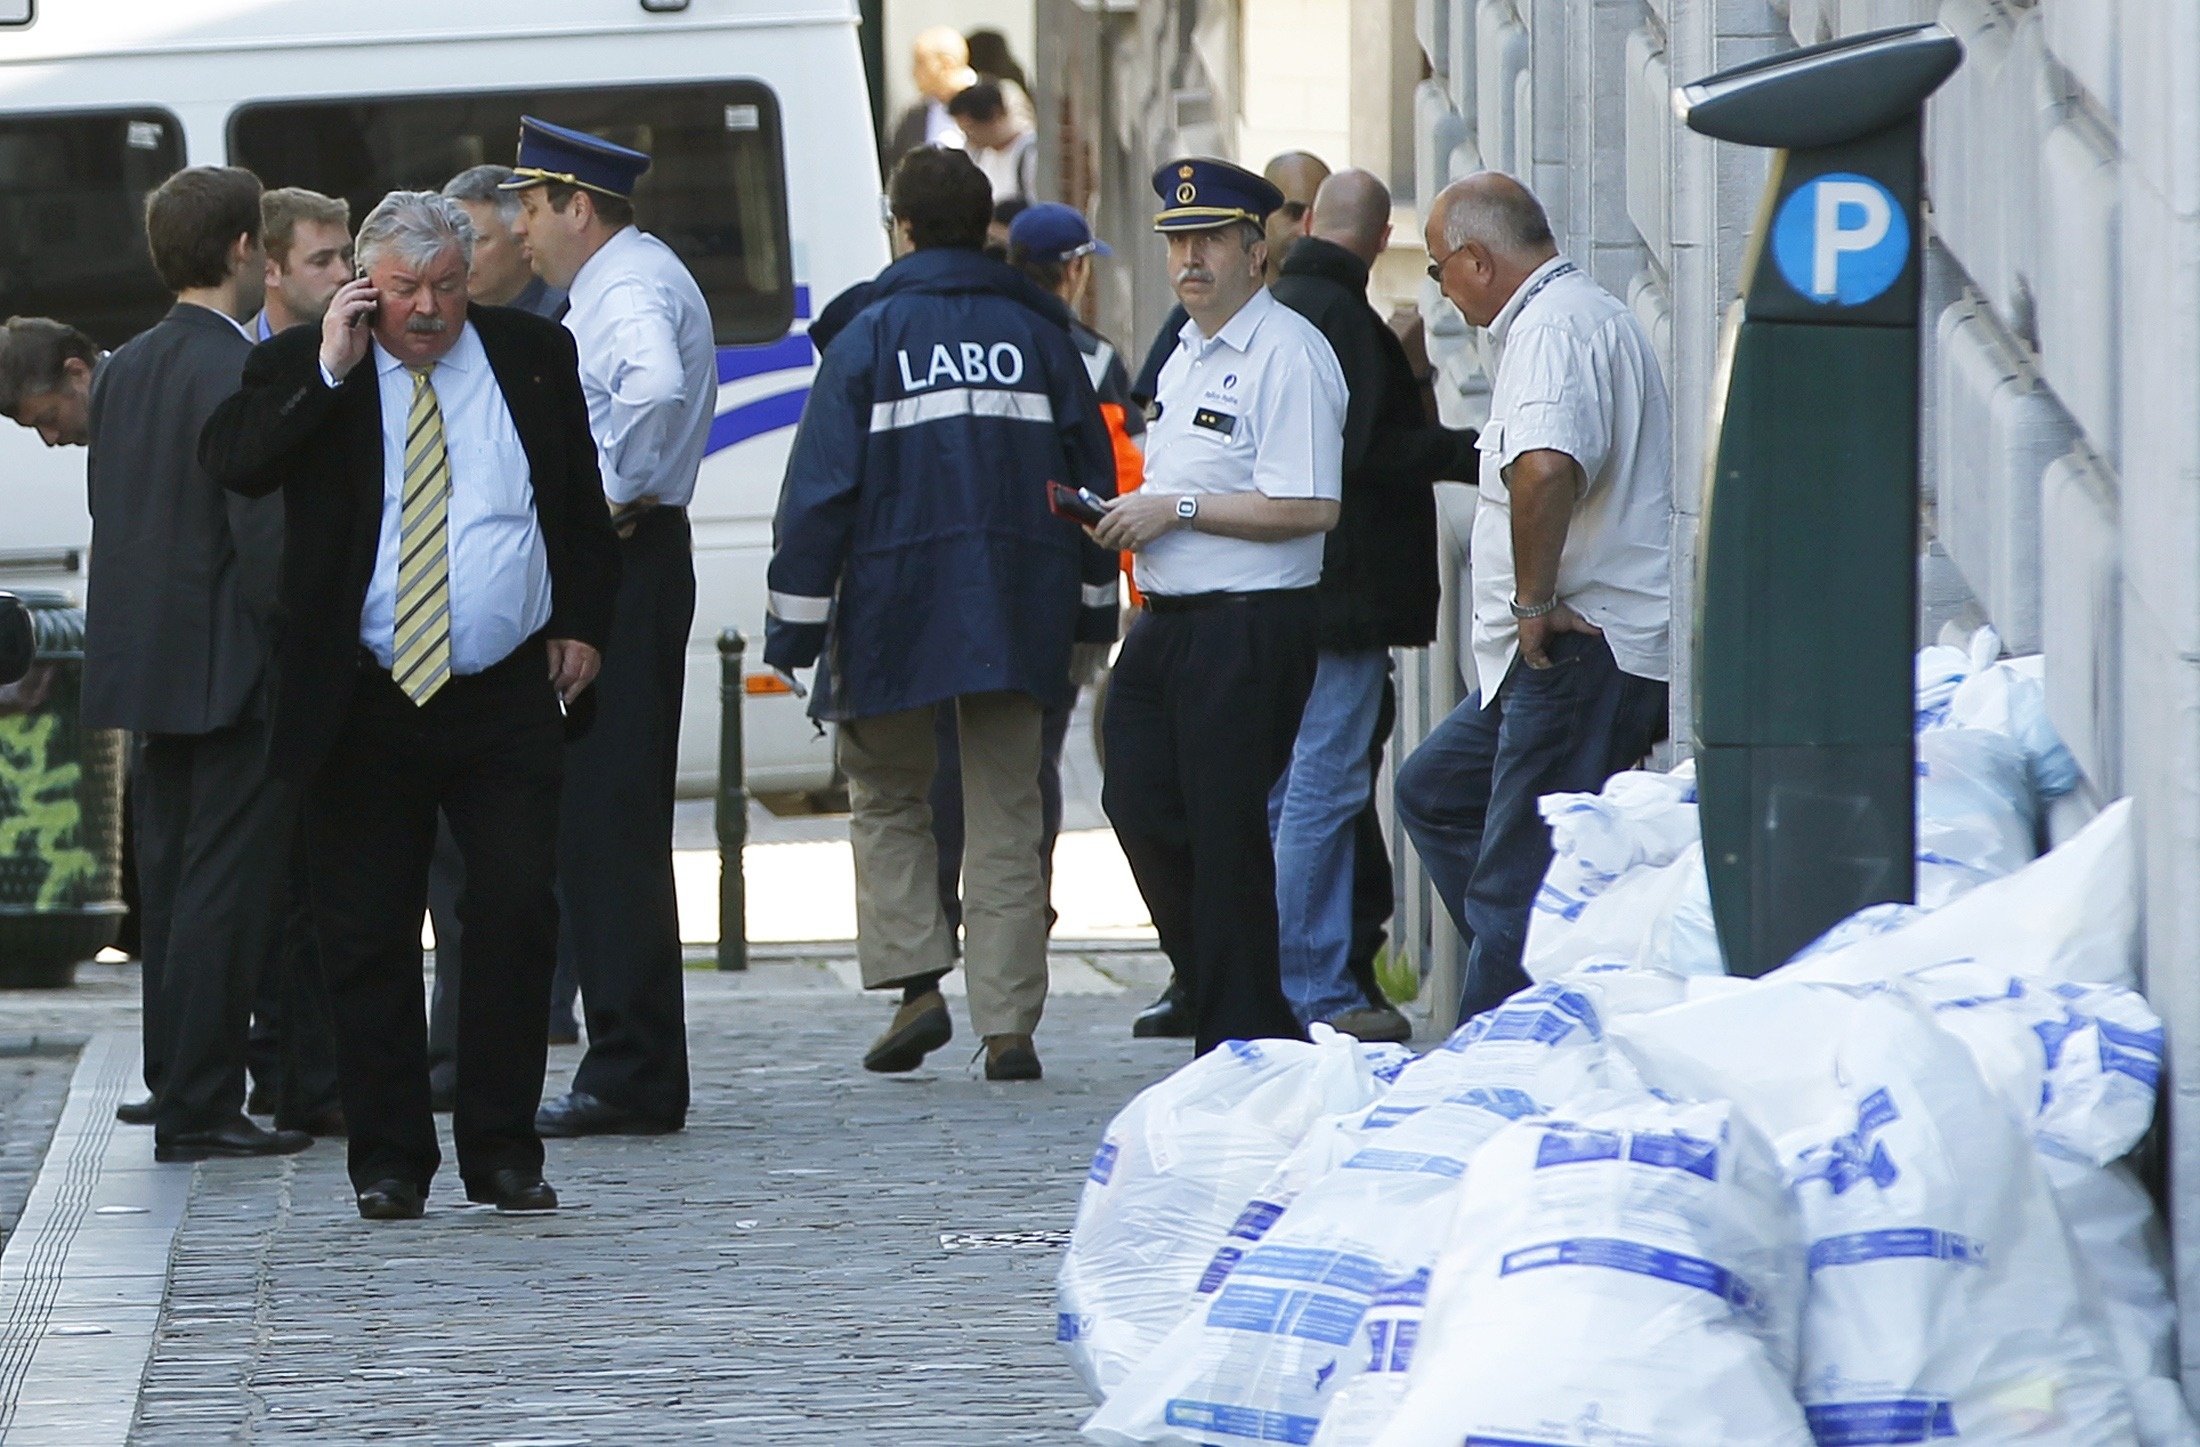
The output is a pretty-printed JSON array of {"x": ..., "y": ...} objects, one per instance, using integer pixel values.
[{"x": 773, "y": 1274}]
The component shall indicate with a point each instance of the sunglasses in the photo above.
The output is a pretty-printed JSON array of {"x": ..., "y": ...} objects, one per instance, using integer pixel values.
[{"x": 1436, "y": 268}]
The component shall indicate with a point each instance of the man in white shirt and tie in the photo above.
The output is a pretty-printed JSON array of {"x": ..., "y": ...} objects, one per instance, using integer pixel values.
[{"x": 649, "y": 366}]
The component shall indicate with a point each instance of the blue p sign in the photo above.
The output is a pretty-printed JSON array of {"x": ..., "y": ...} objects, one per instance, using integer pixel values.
[{"x": 1841, "y": 240}]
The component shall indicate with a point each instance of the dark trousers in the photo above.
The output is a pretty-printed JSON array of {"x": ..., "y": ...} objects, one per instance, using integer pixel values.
[
  {"x": 488, "y": 750},
  {"x": 292, "y": 1051},
  {"x": 446, "y": 882},
  {"x": 1202, "y": 712},
  {"x": 212, "y": 830},
  {"x": 622, "y": 923},
  {"x": 946, "y": 800},
  {"x": 1467, "y": 796}
]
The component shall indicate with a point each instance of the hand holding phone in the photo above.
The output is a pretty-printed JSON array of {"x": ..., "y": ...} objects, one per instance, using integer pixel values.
[
  {"x": 344, "y": 330},
  {"x": 1080, "y": 505}
]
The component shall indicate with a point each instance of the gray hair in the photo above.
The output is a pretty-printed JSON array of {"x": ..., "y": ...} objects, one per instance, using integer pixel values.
[
  {"x": 483, "y": 183},
  {"x": 417, "y": 226},
  {"x": 1498, "y": 212}
]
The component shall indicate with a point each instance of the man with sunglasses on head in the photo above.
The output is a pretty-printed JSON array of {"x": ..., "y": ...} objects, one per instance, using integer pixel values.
[{"x": 1572, "y": 592}]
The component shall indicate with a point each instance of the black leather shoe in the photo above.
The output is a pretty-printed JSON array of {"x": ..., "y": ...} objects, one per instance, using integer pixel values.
[
  {"x": 236, "y": 1140},
  {"x": 135, "y": 1112},
  {"x": 391, "y": 1200},
  {"x": 1168, "y": 1018},
  {"x": 514, "y": 1190},
  {"x": 578, "y": 1113},
  {"x": 918, "y": 1028},
  {"x": 326, "y": 1124}
]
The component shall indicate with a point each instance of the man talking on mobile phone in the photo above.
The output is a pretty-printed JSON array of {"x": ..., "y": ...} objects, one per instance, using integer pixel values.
[{"x": 448, "y": 585}]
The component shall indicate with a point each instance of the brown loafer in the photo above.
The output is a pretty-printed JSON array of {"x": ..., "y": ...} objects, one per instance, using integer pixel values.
[
  {"x": 919, "y": 1027},
  {"x": 1010, "y": 1057}
]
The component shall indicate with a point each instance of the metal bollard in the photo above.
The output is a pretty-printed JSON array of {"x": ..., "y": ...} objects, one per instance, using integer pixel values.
[{"x": 733, "y": 807}]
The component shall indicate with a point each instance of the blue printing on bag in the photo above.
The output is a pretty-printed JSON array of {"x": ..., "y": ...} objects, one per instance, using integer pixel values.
[
  {"x": 1218, "y": 1270},
  {"x": 1390, "y": 1345},
  {"x": 1670, "y": 1150},
  {"x": 1383, "y": 1117},
  {"x": 1923, "y": 1243},
  {"x": 1253, "y": 1222},
  {"x": 1405, "y": 1291},
  {"x": 1848, "y": 1160},
  {"x": 1065, "y": 1327},
  {"x": 1509, "y": 1442},
  {"x": 1281, "y": 1311},
  {"x": 1637, "y": 1259},
  {"x": 1504, "y": 1100},
  {"x": 1867, "y": 1424},
  {"x": 1415, "y": 1163},
  {"x": 1250, "y": 1423},
  {"x": 1362, "y": 1275},
  {"x": 1103, "y": 1162}
]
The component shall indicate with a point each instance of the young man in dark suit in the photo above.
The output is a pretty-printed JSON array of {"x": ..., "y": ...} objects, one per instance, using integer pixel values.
[
  {"x": 179, "y": 628},
  {"x": 448, "y": 587}
]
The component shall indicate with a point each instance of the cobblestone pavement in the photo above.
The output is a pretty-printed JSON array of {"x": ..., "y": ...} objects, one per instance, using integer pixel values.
[
  {"x": 774, "y": 1274},
  {"x": 33, "y": 1083}
]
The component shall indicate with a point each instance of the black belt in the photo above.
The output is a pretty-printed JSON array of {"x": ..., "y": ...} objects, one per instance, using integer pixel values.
[{"x": 1192, "y": 602}]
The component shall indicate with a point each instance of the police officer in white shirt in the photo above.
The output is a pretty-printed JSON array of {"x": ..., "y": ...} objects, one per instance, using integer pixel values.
[
  {"x": 1243, "y": 477},
  {"x": 649, "y": 369},
  {"x": 1571, "y": 552}
]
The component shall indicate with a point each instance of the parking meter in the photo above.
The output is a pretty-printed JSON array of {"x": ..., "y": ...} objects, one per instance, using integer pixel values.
[{"x": 1806, "y": 594}]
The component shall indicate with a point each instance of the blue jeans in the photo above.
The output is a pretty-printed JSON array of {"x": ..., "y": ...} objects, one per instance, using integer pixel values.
[
  {"x": 1467, "y": 796},
  {"x": 1311, "y": 816}
]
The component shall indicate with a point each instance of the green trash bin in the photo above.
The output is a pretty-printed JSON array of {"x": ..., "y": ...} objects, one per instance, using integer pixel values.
[{"x": 60, "y": 814}]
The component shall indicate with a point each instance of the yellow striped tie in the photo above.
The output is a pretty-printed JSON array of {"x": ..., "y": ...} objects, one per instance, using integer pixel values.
[{"x": 421, "y": 655}]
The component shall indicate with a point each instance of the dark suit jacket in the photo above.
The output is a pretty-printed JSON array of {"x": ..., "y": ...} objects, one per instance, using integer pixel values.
[
  {"x": 322, "y": 446},
  {"x": 180, "y": 612}
]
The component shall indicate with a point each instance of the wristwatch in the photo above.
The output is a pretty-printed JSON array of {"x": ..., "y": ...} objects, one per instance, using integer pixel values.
[
  {"x": 1541, "y": 610},
  {"x": 1187, "y": 509}
]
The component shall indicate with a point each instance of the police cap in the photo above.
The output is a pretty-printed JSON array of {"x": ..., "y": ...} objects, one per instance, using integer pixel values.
[
  {"x": 559, "y": 154},
  {"x": 1200, "y": 194}
]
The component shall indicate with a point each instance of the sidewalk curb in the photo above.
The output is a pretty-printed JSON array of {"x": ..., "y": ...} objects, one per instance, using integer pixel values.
[{"x": 83, "y": 1278}]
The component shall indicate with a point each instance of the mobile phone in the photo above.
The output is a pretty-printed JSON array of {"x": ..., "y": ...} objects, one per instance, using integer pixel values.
[
  {"x": 359, "y": 274},
  {"x": 1079, "y": 505}
]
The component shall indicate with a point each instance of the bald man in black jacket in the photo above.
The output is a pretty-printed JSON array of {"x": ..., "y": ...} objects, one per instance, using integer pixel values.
[{"x": 1379, "y": 590}]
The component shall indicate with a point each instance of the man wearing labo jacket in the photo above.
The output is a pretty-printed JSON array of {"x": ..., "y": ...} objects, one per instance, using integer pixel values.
[
  {"x": 916, "y": 561},
  {"x": 447, "y": 583},
  {"x": 1378, "y": 591}
]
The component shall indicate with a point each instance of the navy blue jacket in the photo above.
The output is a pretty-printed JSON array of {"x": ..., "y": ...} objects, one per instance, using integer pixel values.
[{"x": 914, "y": 556}]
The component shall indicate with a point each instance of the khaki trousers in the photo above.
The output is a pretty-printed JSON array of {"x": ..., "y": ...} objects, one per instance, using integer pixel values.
[{"x": 900, "y": 931}]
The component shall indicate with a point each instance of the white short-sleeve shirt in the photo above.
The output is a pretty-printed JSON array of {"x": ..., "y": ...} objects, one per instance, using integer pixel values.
[
  {"x": 1576, "y": 374},
  {"x": 1257, "y": 407}
]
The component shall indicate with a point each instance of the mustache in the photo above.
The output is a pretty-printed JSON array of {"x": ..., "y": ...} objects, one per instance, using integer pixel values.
[
  {"x": 428, "y": 326},
  {"x": 1195, "y": 273}
]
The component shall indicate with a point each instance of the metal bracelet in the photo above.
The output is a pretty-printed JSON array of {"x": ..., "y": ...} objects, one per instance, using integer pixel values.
[{"x": 1540, "y": 610}]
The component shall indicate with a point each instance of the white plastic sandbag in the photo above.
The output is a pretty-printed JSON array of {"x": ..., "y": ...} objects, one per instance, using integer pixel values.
[
  {"x": 2010, "y": 698},
  {"x": 1264, "y": 1355},
  {"x": 2072, "y": 914},
  {"x": 1655, "y": 917},
  {"x": 1172, "y": 1173},
  {"x": 1977, "y": 814},
  {"x": 1543, "y": 1046},
  {"x": 1628, "y": 1274},
  {"x": 1945, "y": 1300},
  {"x": 1640, "y": 818}
]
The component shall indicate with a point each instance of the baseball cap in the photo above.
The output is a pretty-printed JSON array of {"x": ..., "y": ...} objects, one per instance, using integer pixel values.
[{"x": 1053, "y": 232}]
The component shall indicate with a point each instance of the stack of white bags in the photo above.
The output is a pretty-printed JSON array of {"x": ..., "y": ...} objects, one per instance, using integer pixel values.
[{"x": 1871, "y": 1198}]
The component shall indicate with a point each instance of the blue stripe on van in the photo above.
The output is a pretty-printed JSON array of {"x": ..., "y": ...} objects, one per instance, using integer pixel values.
[
  {"x": 754, "y": 419},
  {"x": 791, "y": 353}
]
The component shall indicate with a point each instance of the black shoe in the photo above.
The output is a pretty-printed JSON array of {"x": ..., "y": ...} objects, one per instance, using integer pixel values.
[
  {"x": 918, "y": 1028},
  {"x": 326, "y": 1124},
  {"x": 1168, "y": 1018},
  {"x": 514, "y": 1190},
  {"x": 236, "y": 1140},
  {"x": 135, "y": 1112},
  {"x": 579, "y": 1113},
  {"x": 260, "y": 1100},
  {"x": 391, "y": 1200}
]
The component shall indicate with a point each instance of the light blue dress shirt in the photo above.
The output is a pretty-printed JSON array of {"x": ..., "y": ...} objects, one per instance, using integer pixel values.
[
  {"x": 648, "y": 367},
  {"x": 500, "y": 569}
]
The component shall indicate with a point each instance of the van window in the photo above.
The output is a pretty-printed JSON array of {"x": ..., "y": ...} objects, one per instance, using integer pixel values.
[
  {"x": 72, "y": 218},
  {"x": 715, "y": 191}
]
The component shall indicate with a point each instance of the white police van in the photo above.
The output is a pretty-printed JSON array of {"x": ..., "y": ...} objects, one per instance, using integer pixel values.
[{"x": 765, "y": 182}]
